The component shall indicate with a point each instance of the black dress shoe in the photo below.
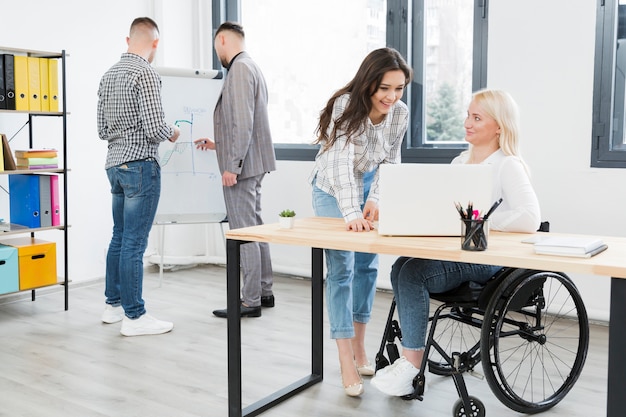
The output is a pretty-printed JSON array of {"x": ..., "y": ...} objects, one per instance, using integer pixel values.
[
  {"x": 267, "y": 301},
  {"x": 244, "y": 312}
]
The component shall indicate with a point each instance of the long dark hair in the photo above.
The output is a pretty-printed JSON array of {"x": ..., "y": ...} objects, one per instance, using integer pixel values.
[{"x": 364, "y": 84}]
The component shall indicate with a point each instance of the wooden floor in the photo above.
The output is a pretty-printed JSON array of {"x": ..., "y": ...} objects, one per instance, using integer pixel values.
[{"x": 58, "y": 363}]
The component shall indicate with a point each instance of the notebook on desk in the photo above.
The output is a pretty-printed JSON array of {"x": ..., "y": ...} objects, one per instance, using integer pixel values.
[{"x": 418, "y": 199}]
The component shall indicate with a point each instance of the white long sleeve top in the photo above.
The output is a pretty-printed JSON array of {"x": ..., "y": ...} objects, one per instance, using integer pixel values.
[{"x": 519, "y": 211}]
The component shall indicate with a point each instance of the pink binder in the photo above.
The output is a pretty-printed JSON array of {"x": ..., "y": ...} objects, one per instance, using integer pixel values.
[{"x": 54, "y": 200}]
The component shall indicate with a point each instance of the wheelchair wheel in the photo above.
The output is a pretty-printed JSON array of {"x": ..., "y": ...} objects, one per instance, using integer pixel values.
[
  {"x": 457, "y": 333},
  {"x": 477, "y": 408},
  {"x": 534, "y": 340}
]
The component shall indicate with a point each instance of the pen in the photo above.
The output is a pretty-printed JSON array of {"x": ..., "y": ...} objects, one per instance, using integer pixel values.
[
  {"x": 495, "y": 206},
  {"x": 460, "y": 210}
]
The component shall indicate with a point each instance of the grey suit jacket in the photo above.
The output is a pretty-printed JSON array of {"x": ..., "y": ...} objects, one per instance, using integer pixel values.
[{"x": 243, "y": 141}]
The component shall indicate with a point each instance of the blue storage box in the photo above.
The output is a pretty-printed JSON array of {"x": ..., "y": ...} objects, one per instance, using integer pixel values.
[{"x": 9, "y": 276}]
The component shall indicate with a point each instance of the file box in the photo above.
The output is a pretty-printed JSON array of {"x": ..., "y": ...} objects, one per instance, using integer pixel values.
[
  {"x": 9, "y": 278},
  {"x": 37, "y": 261}
]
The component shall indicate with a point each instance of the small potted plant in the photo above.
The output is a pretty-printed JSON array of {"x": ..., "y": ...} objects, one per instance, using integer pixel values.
[{"x": 286, "y": 218}]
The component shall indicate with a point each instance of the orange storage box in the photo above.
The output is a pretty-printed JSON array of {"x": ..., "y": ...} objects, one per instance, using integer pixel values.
[{"x": 37, "y": 261}]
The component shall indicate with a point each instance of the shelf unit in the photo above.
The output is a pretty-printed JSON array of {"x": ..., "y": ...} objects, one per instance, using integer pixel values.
[{"x": 63, "y": 170}]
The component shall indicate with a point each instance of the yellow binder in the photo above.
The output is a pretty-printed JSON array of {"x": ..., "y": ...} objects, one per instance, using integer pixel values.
[
  {"x": 21, "y": 82},
  {"x": 53, "y": 77},
  {"x": 34, "y": 85},
  {"x": 44, "y": 84},
  {"x": 2, "y": 155}
]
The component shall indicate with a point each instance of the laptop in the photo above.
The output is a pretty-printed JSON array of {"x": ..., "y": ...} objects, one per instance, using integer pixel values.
[{"x": 419, "y": 199}]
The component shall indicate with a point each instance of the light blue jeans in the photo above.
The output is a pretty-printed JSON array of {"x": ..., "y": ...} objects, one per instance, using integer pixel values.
[
  {"x": 350, "y": 276},
  {"x": 413, "y": 279},
  {"x": 135, "y": 190}
]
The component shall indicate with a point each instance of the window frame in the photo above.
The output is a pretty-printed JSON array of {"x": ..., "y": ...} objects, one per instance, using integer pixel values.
[
  {"x": 400, "y": 37},
  {"x": 602, "y": 153},
  {"x": 442, "y": 153}
]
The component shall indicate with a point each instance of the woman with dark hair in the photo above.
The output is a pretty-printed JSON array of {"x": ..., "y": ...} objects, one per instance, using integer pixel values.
[{"x": 361, "y": 127}]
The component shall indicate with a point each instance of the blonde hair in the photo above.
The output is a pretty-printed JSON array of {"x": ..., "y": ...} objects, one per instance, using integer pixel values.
[{"x": 500, "y": 106}]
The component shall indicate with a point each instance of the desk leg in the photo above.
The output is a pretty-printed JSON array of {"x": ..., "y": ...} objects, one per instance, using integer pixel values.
[
  {"x": 317, "y": 313},
  {"x": 617, "y": 348},
  {"x": 233, "y": 256},
  {"x": 234, "y": 326}
]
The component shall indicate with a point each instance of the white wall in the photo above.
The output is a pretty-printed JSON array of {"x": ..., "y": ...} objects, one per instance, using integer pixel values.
[{"x": 542, "y": 52}]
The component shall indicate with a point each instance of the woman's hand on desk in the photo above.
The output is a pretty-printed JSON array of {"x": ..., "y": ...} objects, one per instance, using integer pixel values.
[
  {"x": 370, "y": 211},
  {"x": 360, "y": 225}
]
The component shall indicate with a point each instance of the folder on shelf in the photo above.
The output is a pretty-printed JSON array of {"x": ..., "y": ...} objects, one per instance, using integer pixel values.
[
  {"x": 44, "y": 81},
  {"x": 7, "y": 155},
  {"x": 36, "y": 153},
  {"x": 9, "y": 80},
  {"x": 24, "y": 203},
  {"x": 53, "y": 84},
  {"x": 2, "y": 157},
  {"x": 27, "y": 162},
  {"x": 20, "y": 66},
  {"x": 34, "y": 84},
  {"x": 55, "y": 204},
  {"x": 45, "y": 205},
  {"x": 3, "y": 101}
]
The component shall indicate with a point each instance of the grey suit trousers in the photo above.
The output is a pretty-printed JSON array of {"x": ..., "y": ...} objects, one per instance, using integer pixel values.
[{"x": 243, "y": 205}]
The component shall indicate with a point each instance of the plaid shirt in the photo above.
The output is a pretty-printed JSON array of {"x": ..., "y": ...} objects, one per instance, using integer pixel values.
[
  {"x": 339, "y": 170},
  {"x": 130, "y": 114}
]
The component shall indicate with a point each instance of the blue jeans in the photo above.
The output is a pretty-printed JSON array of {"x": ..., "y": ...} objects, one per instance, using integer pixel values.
[
  {"x": 350, "y": 276},
  {"x": 135, "y": 189},
  {"x": 414, "y": 279}
]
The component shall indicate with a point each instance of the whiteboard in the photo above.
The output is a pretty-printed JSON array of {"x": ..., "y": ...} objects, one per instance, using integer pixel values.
[{"x": 191, "y": 183}]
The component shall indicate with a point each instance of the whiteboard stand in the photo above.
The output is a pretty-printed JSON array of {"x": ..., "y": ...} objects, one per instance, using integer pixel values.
[{"x": 162, "y": 220}]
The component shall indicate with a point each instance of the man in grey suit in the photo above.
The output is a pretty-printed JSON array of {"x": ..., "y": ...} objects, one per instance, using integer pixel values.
[{"x": 245, "y": 153}]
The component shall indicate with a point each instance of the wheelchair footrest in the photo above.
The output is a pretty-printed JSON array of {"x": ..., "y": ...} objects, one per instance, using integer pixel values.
[
  {"x": 476, "y": 374},
  {"x": 419, "y": 386}
]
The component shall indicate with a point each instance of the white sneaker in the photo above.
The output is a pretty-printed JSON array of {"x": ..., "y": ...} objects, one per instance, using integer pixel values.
[
  {"x": 112, "y": 314},
  {"x": 397, "y": 378},
  {"x": 145, "y": 325}
]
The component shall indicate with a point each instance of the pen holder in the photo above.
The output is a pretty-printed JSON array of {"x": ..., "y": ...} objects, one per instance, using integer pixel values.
[{"x": 474, "y": 234}]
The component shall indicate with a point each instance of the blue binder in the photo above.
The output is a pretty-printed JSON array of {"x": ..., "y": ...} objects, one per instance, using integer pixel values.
[{"x": 24, "y": 200}]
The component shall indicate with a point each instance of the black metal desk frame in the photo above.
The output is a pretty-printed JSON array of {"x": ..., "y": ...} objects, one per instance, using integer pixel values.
[
  {"x": 617, "y": 347},
  {"x": 233, "y": 304},
  {"x": 616, "y": 371}
]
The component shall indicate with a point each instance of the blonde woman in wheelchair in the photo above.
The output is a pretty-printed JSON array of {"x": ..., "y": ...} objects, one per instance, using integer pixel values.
[{"x": 492, "y": 131}]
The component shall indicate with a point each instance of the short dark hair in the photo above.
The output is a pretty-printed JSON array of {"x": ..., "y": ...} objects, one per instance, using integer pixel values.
[
  {"x": 145, "y": 21},
  {"x": 231, "y": 26}
]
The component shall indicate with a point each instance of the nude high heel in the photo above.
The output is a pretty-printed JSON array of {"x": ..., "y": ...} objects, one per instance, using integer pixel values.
[
  {"x": 366, "y": 369},
  {"x": 353, "y": 390}
]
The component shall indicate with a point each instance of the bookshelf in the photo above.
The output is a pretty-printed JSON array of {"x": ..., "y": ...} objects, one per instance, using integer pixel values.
[{"x": 57, "y": 110}]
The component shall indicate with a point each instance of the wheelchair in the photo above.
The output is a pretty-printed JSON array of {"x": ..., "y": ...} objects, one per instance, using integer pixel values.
[{"x": 529, "y": 330}]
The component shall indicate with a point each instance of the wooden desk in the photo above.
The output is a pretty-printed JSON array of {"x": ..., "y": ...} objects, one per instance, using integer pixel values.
[{"x": 505, "y": 249}]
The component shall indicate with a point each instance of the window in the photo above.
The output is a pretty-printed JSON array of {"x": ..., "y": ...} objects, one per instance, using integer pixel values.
[
  {"x": 309, "y": 49},
  {"x": 609, "y": 134},
  {"x": 449, "y": 63}
]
